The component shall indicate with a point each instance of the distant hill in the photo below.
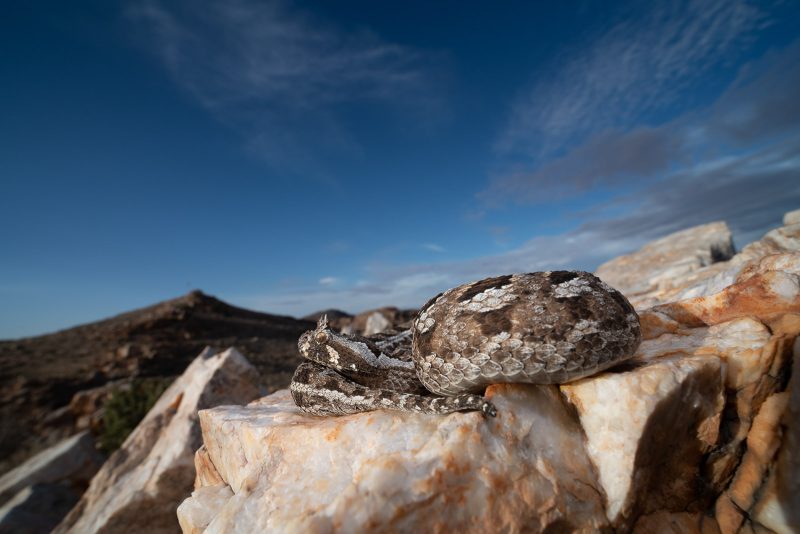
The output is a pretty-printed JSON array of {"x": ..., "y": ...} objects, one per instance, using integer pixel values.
[{"x": 39, "y": 375}]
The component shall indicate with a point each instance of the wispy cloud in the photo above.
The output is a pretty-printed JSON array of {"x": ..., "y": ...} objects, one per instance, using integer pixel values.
[
  {"x": 736, "y": 161},
  {"x": 750, "y": 191},
  {"x": 433, "y": 247},
  {"x": 276, "y": 73},
  {"x": 328, "y": 280},
  {"x": 640, "y": 65},
  {"x": 760, "y": 107}
]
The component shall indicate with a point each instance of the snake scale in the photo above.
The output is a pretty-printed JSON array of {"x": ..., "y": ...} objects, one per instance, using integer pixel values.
[{"x": 538, "y": 328}]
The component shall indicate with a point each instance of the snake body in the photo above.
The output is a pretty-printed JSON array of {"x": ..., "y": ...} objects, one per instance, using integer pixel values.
[{"x": 539, "y": 328}]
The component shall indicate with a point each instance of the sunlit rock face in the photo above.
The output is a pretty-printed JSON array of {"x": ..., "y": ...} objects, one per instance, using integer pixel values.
[
  {"x": 141, "y": 484},
  {"x": 667, "y": 263},
  {"x": 647, "y": 431},
  {"x": 697, "y": 433},
  {"x": 289, "y": 472}
]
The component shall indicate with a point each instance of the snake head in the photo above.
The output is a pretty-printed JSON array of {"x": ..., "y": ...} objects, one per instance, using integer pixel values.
[{"x": 312, "y": 343}]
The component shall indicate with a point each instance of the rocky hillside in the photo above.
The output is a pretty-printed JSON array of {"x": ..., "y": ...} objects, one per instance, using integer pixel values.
[{"x": 40, "y": 376}]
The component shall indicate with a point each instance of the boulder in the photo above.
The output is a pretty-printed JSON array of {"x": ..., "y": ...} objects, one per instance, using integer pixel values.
[
  {"x": 290, "y": 472},
  {"x": 777, "y": 504},
  {"x": 639, "y": 439},
  {"x": 73, "y": 462},
  {"x": 376, "y": 324},
  {"x": 142, "y": 483},
  {"x": 792, "y": 217},
  {"x": 375, "y": 321},
  {"x": 660, "y": 265},
  {"x": 658, "y": 273},
  {"x": 648, "y": 429},
  {"x": 38, "y": 508}
]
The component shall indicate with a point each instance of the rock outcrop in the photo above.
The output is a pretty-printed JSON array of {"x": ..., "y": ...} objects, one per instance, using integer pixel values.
[
  {"x": 142, "y": 483},
  {"x": 36, "y": 495},
  {"x": 74, "y": 461},
  {"x": 659, "y": 273},
  {"x": 697, "y": 433},
  {"x": 37, "y": 508},
  {"x": 668, "y": 262},
  {"x": 288, "y": 472}
]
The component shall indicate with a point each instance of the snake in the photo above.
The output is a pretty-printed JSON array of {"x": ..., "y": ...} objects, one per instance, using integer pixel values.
[{"x": 550, "y": 327}]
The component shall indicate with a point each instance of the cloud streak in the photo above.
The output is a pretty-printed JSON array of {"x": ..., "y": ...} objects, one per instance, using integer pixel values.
[
  {"x": 749, "y": 191},
  {"x": 759, "y": 107},
  {"x": 639, "y": 66},
  {"x": 737, "y": 161},
  {"x": 277, "y": 74}
]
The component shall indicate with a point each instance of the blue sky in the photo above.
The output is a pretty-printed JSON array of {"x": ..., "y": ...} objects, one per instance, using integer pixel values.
[{"x": 290, "y": 157}]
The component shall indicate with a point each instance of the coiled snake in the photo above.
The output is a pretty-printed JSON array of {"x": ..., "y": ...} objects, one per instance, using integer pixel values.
[{"x": 538, "y": 328}]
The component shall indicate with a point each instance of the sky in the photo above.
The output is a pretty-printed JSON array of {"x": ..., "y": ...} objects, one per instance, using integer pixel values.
[{"x": 296, "y": 156}]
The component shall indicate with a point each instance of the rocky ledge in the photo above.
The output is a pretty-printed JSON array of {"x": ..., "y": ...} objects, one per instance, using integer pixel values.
[{"x": 697, "y": 433}]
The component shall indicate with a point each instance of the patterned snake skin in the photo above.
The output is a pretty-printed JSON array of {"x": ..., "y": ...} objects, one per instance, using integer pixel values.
[{"x": 538, "y": 328}]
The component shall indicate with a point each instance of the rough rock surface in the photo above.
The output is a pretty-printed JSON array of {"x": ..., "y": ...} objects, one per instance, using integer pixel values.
[
  {"x": 647, "y": 430},
  {"x": 36, "y": 495},
  {"x": 791, "y": 218},
  {"x": 38, "y": 508},
  {"x": 395, "y": 471},
  {"x": 141, "y": 484},
  {"x": 697, "y": 433},
  {"x": 74, "y": 462},
  {"x": 662, "y": 264},
  {"x": 658, "y": 273}
]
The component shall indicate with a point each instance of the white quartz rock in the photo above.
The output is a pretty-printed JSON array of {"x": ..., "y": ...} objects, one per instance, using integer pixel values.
[
  {"x": 376, "y": 323},
  {"x": 196, "y": 513},
  {"x": 141, "y": 484},
  {"x": 648, "y": 428},
  {"x": 697, "y": 262},
  {"x": 791, "y": 218},
  {"x": 664, "y": 263},
  {"x": 72, "y": 461},
  {"x": 527, "y": 469}
]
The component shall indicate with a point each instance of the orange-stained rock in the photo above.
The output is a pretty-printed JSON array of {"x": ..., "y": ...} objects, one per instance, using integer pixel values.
[
  {"x": 668, "y": 262},
  {"x": 196, "y": 513},
  {"x": 778, "y": 504},
  {"x": 762, "y": 444},
  {"x": 386, "y": 471},
  {"x": 765, "y": 296},
  {"x": 685, "y": 265},
  {"x": 206, "y": 473}
]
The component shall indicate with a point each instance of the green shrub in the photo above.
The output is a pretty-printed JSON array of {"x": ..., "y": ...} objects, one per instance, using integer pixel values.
[{"x": 126, "y": 408}]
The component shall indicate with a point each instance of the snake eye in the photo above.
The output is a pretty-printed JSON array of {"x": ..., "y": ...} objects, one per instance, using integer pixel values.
[{"x": 321, "y": 337}]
